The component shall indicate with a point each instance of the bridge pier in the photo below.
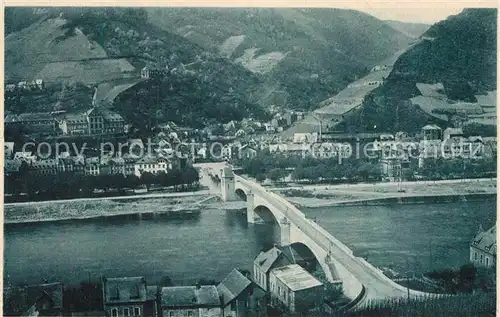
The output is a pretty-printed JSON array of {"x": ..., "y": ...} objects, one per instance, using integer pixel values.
[
  {"x": 227, "y": 184},
  {"x": 250, "y": 207},
  {"x": 284, "y": 232}
]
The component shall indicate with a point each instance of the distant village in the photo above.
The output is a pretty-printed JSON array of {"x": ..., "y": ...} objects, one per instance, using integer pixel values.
[{"x": 232, "y": 141}]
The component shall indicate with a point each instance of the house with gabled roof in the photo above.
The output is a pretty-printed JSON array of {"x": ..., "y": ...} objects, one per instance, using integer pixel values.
[
  {"x": 483, "y": 247},
  {"x": 127, "y": 296},
  {"x": 34, "y": 300},
  {"x": 235, "y": 292},
  {"x": 190, "y": 301},
  {"x": 265, "y": 262}
]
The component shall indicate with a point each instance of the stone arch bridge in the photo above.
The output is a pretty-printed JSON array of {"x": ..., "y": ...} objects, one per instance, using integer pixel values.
[{"x": 361, "y": 281}]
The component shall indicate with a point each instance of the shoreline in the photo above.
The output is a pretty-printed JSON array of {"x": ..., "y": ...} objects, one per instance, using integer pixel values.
[
  {"x": 128, "y": 197},
  {"x": 302, "y": 202},
  {"x": 189, "y": 210}
]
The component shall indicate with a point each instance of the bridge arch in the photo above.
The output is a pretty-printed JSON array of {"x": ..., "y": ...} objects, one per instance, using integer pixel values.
[
  {"x": 241, "y": 194},
  {"x": 305, "y": 257},
  {"x": 266, "y": 215}
]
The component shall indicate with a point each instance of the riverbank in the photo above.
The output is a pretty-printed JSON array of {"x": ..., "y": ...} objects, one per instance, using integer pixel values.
[
  {"x": 390, "y": 193},
  {"x": 127, "y": 197},
  {"x": 144, "y": 207}
]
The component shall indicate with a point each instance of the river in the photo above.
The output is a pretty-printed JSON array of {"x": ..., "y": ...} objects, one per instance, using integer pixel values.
[{"x": 414, "y": 238}]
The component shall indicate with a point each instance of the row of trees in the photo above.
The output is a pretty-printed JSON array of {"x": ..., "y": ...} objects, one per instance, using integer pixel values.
[
  {"x": 71, "y": 185},
  {"x": 466, "y": 280},
  {"x": 276, "y": 167},
  {"x": 457, "y": 168}
]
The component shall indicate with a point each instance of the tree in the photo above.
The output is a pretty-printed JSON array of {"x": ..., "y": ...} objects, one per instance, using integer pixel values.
[
  {"x": 190, "y": 176},
  {"x": 132, "y": 181},
  {"x": 276, "y": 174},
  {"x": 147, "y": 179},
  {"x": 260, "y": 177}
]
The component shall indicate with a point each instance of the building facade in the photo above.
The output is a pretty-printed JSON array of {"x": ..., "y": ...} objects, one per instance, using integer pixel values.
[
  {"x": 293, "y": 287},
  {"x": 127, "y": 296},
  {"x": 236, "y": 293},
  {"x": 483, "y": 249},
  {"x": 190, "y": 301},
  {"x": 153, "y": 165},
  {"x": 94, "y": 121},
  {"x": 265, "y": 262}
]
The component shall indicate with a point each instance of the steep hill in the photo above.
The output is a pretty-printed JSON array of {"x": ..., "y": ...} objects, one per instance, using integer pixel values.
[
  {"x": 305, "y": 54},
  {"x": 410, "y": 29},
  {"x": 458, "y": 53},
  {"x": 107, "y": 47}
]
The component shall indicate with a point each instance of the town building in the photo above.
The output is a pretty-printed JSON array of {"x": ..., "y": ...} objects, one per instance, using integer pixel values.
[
  {"x": 12, "y": 167},
  {"x": 42, "y": 123},
  {"x": 235, "y": 292},
  {"x": 247, "y": 151},
  {"x": 92, "y": 166},
  {"x": 74, "y": 124},
  {"x": 127, "y": 296},
  {"x": 10, "y": 88},
  {"x": 151, "y": 72},
  {"x": 483, "y": 247},
  {"x": 44, "y": 167},
  {"x": 38, "y": 300},
  {"x": 8, "y": 150},
  {"x": 95, "y": 121},
  {"x": 265, "y": 262},
  {"x": 431, "y": 132},
  {"x": 153, "y": 165},
  {"x": 25, "y": 156},
  {"x": 295, "y": 288},
  {"x": 450, "y": 133},
  {"x": 305, "y": 138},
  {"x": 190, "y": 301}
]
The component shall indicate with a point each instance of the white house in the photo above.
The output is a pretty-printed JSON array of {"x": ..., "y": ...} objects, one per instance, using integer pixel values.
[
  {"x": 483, "y": 248},
  {"x": 153, "y": 165}
]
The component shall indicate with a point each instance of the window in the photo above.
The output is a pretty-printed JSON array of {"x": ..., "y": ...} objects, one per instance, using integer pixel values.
[
  {"x": 114, "y": 312},
  {"x": 126, "y": 311},
  {"x": 481, "y": 258},
  {"x": 475, "y": 255},
  {"x": 171, "y": 314},
  {"x": 487, "y": 261},
  {"x": 190, "y": 314}
]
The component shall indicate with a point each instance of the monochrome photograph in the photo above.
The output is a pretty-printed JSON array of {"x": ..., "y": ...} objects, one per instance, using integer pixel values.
[{"x": 165, "y": 161}]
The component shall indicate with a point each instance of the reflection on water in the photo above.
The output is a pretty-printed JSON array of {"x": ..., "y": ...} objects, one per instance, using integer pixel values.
[{"x": 402, "y": 237}]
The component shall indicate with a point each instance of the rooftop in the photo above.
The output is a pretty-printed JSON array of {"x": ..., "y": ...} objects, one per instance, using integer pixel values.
[
  {"x": 266, "y": 259},
  {"x": 151, "y": 160},
  {"x": 109, "y": 115},
  {"x": 190, "y": 296},
  {"x": 232, "y": 286},
  {"x": 295, "y": 277},
  {"x": 125, "y": 289},
  {"x": 431, "y": 127},
  {"x": 35, "y": 116},
  {"x": 486, "y": 240}
]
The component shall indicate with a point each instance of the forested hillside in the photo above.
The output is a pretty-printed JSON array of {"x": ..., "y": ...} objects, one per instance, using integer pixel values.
[{"x": 459, "y": 52}]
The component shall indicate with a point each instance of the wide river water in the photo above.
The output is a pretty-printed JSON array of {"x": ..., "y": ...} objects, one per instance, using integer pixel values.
[{"x": 415, "y": 238}]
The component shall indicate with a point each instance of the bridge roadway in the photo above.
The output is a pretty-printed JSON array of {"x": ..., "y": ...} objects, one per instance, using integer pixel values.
[{"x": 377, "y": 286}]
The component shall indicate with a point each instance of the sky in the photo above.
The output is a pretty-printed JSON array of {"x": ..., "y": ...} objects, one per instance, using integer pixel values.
[{"x": 418, "y": 15}]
